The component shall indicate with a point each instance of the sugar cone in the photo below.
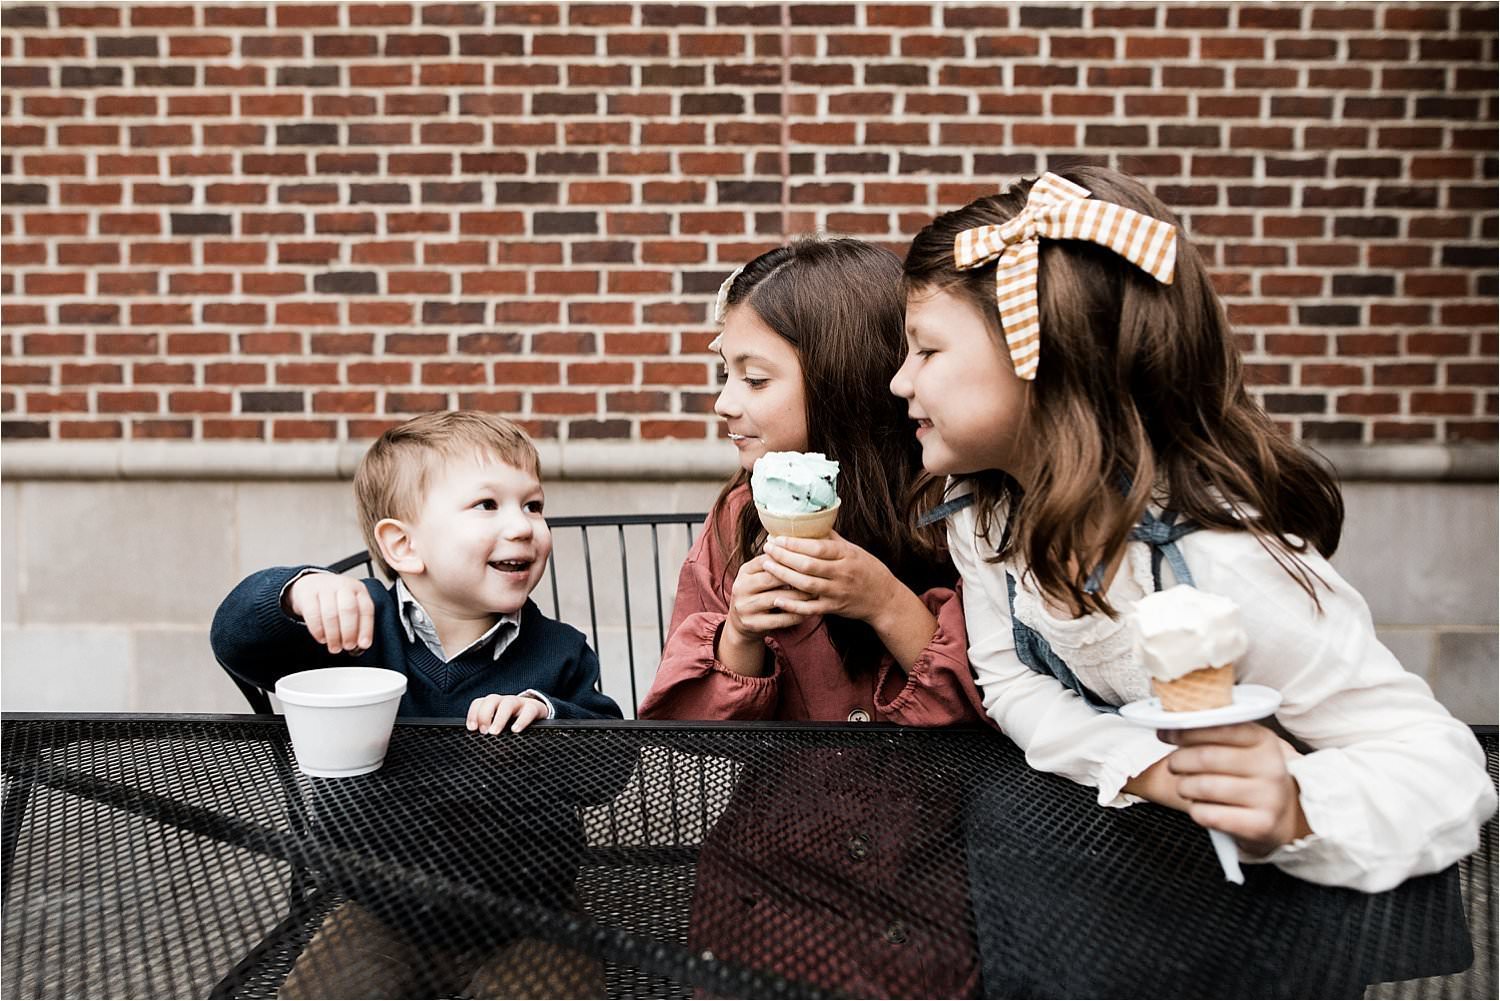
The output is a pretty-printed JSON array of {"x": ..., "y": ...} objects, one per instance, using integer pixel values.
[
  {"x": 808, "y": 525},
  {"x": 1206, "y": 688}
]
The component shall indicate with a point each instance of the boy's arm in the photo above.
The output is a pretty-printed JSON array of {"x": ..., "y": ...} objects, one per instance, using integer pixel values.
[
  {"x": 575, "y": 695},
  {"x": 255, "y": 640}
]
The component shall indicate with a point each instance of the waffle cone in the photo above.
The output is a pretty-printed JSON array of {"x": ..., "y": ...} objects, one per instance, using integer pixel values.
[
  {"x": 808, "y": 525},
  {"x": 1205, "y": 688}
]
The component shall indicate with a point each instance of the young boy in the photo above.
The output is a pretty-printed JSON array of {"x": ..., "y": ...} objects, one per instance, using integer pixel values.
[{"x": 450, "y": 505}]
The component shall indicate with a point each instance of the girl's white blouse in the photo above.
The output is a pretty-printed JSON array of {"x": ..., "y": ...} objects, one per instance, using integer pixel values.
[{"x": 1394, "y": 787}]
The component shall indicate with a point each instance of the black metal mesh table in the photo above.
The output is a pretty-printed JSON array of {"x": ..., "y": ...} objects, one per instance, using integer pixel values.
[{"x": 185, "y": 856}]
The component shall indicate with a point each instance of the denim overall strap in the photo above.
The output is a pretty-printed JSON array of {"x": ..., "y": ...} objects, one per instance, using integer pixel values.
[
  {"x": 1036, "y": 653},
  {"x": 1161, "y": 534}
]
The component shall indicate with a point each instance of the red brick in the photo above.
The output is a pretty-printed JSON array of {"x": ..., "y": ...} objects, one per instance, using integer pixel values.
[
  {"x": 200, "y": 402},
  {"x": 459, "y": 252},
  {"x": 657, "y": 429},
  {"x": 307, "y": 313},
  {"x": 452, "y": 373},
  {"x": 56, "y": 284},
  {"x": 57, "y": 403},
  {"x": 305, "y": 373},
  {"x": 79, "y": 16},
  {"x": 280, "y": 283},
  {"x": 274, "y": 342},
  {"x": 492, "y": 223},
  {"x": 198, "y": 343},
  {"x": 33, "y": 375},
  {"x": 639, "y": 282},
  {"x": 564, "y": 403},
  {"x": 1455, "y": 403},
  {"x": 346, "y": 402},
  {"x": 492, "y": 283},
  {"x": 418, "y": 282},
  {"x": 129, "y": 283},
  {"x": 1485, "y": 374},
  {"x": 89, "y": 430},
  {"x": 232, "y": 429},
  {"x": 199, "y": 46},
  {"x": 126, "y": 344},
  {"x": 600, "y": 373},
  {"x": 639, "y": 222},
  {"x": 127, "y": 402},
  {"x": 1331, "y": 375},
  {"x": 383, "y": 373},
  {"x": 675, "y": 374},
  {"x": 290, "y": 429},
  {"x": 543, "y": 373}
]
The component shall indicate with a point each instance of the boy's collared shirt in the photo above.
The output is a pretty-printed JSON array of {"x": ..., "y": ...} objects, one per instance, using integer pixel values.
[{"x": 418, "y": 626}]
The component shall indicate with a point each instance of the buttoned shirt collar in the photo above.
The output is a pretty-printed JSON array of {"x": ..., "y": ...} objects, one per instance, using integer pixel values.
[{"x": 418, "y": 626}]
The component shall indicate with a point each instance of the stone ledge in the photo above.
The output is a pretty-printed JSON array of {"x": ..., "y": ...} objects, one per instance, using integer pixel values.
[
  {"x": 1456, "y": 463},
  {"x": 593, "y": 460}
]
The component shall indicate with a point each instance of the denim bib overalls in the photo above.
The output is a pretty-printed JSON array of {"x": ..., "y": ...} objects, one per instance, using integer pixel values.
[{"x": 1161, "y": 534}]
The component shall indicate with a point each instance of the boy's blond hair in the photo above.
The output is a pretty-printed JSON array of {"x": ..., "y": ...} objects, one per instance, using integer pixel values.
[{"x": 394, "y": 473}]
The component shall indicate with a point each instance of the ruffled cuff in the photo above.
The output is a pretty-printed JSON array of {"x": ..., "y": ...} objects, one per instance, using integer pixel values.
[
  {"x": 691, "y": 683},
  {"x": 1114, "y": 774},
  {"x": 1325, "y": 805},
  {"x": 704, "y": 653},
  {"x": 778, "y": 660},
  {"x": 938, "y": 689}
]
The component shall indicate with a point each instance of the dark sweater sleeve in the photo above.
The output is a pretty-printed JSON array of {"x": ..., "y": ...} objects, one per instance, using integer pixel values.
[
  {"x": 255, "y": 641},
  {"x": 575, "y": 694}
]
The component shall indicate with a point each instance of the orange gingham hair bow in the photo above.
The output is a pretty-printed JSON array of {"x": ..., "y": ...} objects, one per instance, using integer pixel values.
[{"x": 1057, "y": 209}]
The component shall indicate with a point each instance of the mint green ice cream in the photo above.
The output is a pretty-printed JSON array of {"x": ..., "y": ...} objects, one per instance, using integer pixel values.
[{"x": 794, "y": 482}]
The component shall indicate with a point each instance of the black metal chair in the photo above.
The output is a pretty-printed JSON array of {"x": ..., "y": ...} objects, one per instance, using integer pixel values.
[{"x": 584, "y": 600}]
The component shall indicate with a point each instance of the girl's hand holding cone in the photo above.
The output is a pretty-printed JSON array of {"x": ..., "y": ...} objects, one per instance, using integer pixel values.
[
  {"x": 838, "y": 577},
  {"x": 1235, "y": 780}
]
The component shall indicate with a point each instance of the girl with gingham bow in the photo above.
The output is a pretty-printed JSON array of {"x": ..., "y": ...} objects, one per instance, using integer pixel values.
[{"x": 1072, "y": 372}]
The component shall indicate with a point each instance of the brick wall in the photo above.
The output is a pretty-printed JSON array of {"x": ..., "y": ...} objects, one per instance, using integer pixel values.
[{"x": 302, "y": 221}]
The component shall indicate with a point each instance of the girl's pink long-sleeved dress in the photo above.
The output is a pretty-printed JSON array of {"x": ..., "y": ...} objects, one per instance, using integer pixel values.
[{"x": 806, "y": 872}]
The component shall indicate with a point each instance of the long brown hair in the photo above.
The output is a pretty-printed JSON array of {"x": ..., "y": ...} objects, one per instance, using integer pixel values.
[
  {"x": 1139, "y": 392},
  {"x": 839, "y": 303}
]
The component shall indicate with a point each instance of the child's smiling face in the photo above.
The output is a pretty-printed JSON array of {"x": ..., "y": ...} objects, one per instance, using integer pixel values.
[
  {"x": 481, "y": 538},
  {"x": 960, "y": 388},
  {"x": 763, "y": 402}
]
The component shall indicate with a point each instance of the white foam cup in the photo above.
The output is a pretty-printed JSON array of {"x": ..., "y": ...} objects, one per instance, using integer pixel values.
[{"x": 340, "y": 718}]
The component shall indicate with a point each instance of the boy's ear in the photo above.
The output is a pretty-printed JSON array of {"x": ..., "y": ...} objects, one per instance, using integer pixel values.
[{"x": 397, "y": 546}]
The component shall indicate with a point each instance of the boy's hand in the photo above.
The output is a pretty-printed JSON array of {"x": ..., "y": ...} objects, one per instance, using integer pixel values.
[
  {"x": 490, "y": 713},
  {"x": 1235, "y": 780},
  {"x": 337, "y": 610}
]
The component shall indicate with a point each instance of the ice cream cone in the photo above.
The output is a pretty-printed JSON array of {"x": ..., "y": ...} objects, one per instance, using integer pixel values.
[
  {"x": 1206, "y": 688},
  {"x": 806, "y": 525}
]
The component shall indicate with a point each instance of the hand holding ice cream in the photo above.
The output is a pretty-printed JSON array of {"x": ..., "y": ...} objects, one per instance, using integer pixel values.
[{"x": 1232, "y": 778}]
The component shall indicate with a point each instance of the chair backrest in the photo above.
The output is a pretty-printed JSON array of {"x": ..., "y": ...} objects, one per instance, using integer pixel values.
[{"x": 613, "y": 577}]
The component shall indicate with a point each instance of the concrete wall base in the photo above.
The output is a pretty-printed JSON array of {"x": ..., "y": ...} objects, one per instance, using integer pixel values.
[{"x": 109, "y": 584}]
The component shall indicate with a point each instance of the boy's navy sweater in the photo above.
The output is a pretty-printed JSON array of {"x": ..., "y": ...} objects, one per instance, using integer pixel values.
[{"x": 257, "y": 642}]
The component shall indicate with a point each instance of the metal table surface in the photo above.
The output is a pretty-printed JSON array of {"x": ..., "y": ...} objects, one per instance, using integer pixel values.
[{"x": 184, "y": 856}]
